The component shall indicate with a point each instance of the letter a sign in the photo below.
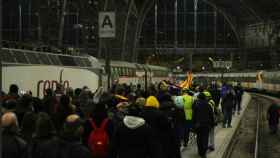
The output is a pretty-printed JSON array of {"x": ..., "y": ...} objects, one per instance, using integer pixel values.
[{"x": 107, "y": 25}]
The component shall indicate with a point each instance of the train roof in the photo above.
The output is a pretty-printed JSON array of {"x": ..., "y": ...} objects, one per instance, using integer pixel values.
[{"x": 29, "y": 57}]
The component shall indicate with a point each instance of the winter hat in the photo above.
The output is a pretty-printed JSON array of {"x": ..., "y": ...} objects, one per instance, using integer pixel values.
[{"x": 152, "y": 102}]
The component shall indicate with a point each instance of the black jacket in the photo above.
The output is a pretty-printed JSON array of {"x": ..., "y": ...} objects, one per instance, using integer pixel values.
[
  {"x": 13, "y": 146},
  {"x": 273, "y": 115},
  {"x": 169, "y": 139},
  {"x": 44, "y": 147},
  {"x": 203, "y": 115},
  {"x": 72, "y": 148},
  {"x": 228, "y": 100},
  {"x": 133, "y": 139}
]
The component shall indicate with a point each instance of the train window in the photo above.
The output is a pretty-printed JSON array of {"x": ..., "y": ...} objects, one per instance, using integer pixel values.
[
  {"x": 45, "y": 59},
  {"x": 7, "y": 56},
  {"x": 79, "y": 62},
  {"x": 87, "y": 62},
  {"x": 67, "y": 61},
  {"x": 33, "y": 58},
  {"x": 21, "y": 58},
  {"x": 55, "y": 60}
]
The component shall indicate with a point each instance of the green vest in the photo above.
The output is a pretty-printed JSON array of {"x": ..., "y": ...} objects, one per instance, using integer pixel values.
[{"x": 188, "y": 102}]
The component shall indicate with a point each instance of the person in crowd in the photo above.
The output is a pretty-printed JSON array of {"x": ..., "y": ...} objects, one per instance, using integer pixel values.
[
  {"x": 227, "y": 103},
  {"x": 98, "y": 116},
  {"x": 130, "y": 135},
  {"x": 28, "y": 126},
  {"x": 50, "y": 103},
  {"x": 65, "y": 109},
  {"x": 239, "y": 93},
  {"x": 13, "y": 92},
  {"x": 70, "y": 143},
  {"x": 139, "y": 92},
  {"x": 12, "y": 145},
  {"x": 211, "y": 102},
  {"x": 85, "y": 101},
  {"x": 214, "y": 91},
  {"x": 163, "y": 91},
  {"x": 273, "y": 117},
  {"x": 171, "y": 141},
  {"x": 203, "y": 121},
  {"x": 45, "y": 141},
  {"x": 157, "y": 120},
  {"x": 188, "y": 109},
  {"x": 25, "y": 104}
]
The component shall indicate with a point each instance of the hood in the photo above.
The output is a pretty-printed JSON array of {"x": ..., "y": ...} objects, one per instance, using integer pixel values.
[
  {"x": 152, "y": 102},
  {"x": 133, "y": 122}
]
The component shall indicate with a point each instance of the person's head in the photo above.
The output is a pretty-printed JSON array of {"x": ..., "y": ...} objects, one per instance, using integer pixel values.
[
  {"x": 99, "y": 111},
  {"x": 77, "y": 92},
  {"x": 73, "y": 127},
  {"x": 13, "y": 89},
  {"x": 138, "y": 86},
  {"x": 44, "y": 126},
  {"x": 9, "y": 122},
  {"x": 140, "y": 102}
]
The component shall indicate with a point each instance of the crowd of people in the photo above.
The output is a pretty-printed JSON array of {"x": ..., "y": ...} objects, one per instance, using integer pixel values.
[{"x": 125, "y": 122}]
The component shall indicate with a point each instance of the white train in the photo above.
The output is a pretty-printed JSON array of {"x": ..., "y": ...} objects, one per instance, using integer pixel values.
[
  {"x": 268, "y": 81},
  {"x": 38, "y": 71}
]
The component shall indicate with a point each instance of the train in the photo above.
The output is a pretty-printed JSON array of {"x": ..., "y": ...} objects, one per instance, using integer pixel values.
[
  {"x": 257, "y": 81},
  {"x": 37, "y": 71}
]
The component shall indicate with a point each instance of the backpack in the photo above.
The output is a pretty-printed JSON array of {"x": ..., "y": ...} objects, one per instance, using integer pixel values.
[{"x": 98, "y": 141}]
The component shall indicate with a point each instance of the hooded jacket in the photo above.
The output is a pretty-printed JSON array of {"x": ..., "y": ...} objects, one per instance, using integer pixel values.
[{"x": 133, "y": 138}]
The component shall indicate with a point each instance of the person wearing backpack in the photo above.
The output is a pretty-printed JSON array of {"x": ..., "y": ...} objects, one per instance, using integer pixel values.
[{"x": 98, "y": 132}]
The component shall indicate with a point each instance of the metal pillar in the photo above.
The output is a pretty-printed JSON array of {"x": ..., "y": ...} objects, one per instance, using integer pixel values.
[
  {"x": 176, "y": 23},
  {"x": 215, "y": 30},
  {"x": 78, "y": 27},
  {"x": 1, "y": 47},
  {"x": 195, "y": 32},
  {"x": 20, "y": 22},
  {"x": 156, "y": 27},
  {"x": 61, "y": 26},
  {"x": 29, "y": 18}
]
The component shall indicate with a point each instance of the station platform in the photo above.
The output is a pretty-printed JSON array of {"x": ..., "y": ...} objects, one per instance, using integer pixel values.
[{"x": 223, "y": 136}]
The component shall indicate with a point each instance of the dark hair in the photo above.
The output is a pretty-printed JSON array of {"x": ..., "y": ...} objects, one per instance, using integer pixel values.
[
  {"x": 13, "y": 88},
  {"x": 134, "y": 110}
]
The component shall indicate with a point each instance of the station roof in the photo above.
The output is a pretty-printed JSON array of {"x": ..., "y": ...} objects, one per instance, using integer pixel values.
[{"x": 250, "y": 11}]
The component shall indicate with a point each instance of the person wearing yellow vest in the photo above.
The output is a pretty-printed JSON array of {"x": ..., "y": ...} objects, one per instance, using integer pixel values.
[
  {"x": 211, "y": 145},
  {"x": 188, "y": 109}
]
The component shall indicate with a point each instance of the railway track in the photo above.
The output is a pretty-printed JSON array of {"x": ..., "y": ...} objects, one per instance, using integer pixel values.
[{"x": 253, "y": 138}]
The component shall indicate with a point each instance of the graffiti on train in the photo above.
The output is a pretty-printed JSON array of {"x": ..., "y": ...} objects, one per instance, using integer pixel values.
[{"x": 43, "y": 85}]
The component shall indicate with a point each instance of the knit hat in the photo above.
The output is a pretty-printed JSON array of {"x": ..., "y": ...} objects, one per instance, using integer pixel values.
[{"x": 152, "y": 102}]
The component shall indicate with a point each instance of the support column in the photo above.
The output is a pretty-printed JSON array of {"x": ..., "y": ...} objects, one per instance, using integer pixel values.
[
  {"x": 274, "y": 59},
  {"x": 195, "y": 35},
  {"x": 1, "y": 10}
]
